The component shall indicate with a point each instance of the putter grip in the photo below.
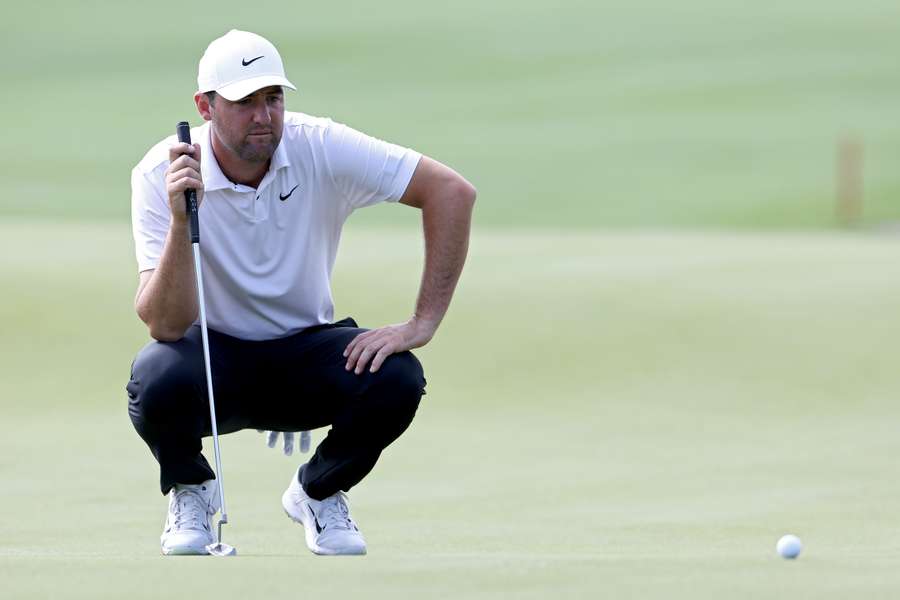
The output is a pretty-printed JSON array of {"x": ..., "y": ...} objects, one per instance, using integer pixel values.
[{"x": 183, "y": 129}]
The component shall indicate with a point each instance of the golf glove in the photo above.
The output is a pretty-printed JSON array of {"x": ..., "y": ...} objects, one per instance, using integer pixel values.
[{"x": 288, "y": 438}]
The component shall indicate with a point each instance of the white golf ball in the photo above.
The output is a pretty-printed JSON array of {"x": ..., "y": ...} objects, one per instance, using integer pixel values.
[{"x": 789, "y": 546}]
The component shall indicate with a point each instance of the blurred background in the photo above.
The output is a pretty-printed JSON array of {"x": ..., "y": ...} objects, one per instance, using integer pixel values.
[
  {"x": 674, "y": 341},
  {"x": 712, "y": 114}
]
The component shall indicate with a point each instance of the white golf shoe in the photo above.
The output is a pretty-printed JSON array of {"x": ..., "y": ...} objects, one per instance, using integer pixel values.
[
  {"x": 188, "y": 529},
  {"x": 329, "y": 528}
]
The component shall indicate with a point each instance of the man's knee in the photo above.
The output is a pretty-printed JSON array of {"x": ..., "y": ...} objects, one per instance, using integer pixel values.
[
  {"x": 402, "y": 379},
  {"x": 164, "y": 377}
]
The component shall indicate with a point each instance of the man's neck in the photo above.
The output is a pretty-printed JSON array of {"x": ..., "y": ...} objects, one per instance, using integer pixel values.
[{"x": 236, "y": 169}]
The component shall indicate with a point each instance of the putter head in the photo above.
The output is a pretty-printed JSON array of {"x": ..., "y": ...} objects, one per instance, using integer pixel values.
[{"x": 220, "y": 549}]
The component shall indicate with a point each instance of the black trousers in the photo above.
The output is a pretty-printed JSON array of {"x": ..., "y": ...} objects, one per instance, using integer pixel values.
[{"x": 295, "y": 383}]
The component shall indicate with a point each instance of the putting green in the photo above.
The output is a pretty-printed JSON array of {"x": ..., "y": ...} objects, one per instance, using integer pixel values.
[
  {"x": 618, "y": 414},
  {"x": 608, "y": 414}
]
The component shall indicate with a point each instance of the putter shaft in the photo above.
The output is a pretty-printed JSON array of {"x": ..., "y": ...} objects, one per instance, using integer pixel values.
[{"x": 223, "y": 518}]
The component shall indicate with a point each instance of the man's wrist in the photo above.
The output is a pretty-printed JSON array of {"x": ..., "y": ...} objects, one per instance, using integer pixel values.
[
  {"x": 180, "y": 221},
  {"x": 425, "y": 325}
]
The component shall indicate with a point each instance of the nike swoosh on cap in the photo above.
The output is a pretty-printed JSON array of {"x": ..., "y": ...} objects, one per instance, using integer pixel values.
[
  {"x": 246, "y": 62},
  {"x": 288, "y": 195}
]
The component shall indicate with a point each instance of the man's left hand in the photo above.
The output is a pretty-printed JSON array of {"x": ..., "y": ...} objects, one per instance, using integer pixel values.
[{"x": 377, "y": 344}]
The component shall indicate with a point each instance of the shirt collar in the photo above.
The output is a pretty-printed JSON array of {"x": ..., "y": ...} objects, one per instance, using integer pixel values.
[
  {"x": 215, "y": 179},
  {"x": 280, "y": 158}
]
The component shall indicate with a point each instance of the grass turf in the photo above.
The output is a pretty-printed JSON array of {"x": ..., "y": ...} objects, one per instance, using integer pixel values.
[
  {"x": 610, "y": 413},
  {"x": 632, "y": 414}
]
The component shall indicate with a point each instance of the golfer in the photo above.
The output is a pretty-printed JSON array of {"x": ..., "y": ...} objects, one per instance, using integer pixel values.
[{"x": 275, "y": 188}]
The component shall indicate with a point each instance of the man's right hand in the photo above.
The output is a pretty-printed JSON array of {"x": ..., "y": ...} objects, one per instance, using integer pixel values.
[{"x": 183, "y": 174}]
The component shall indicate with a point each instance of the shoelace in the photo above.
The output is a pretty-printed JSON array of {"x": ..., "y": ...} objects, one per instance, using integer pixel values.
[
  {"x": 190, "y": 510},
  {"x": 334, "y": 513}
]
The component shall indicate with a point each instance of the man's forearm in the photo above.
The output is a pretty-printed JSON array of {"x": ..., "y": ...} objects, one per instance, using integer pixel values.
[
  {"x": 446, "y": 221},
  {"x": 168, "y": 301},
  {"x": 446, "y": 200}
]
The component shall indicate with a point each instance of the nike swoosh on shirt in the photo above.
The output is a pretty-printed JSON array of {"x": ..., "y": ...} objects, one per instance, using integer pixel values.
[
  {"x": 246, "y": 62},
  {"x": 288, "y": 195}
]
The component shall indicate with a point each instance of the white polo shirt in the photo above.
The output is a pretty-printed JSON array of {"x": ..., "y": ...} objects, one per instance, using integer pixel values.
[{"x": 267, "y": 253}]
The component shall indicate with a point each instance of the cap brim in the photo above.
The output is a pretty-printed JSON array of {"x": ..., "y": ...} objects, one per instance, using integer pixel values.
[{"x": 239, "y": 89}]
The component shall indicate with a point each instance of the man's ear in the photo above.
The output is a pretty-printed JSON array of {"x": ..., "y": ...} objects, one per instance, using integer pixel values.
[{"x": 203, "y": 106}]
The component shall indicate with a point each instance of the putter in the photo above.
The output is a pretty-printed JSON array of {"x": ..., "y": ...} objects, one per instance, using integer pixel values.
[{"x": 190, "y": 196}]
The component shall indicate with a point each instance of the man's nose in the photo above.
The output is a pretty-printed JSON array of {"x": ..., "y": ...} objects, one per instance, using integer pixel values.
[{"x": 261, "y": 115}]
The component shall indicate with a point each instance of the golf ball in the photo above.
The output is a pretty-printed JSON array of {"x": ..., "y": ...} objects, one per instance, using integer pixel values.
[{"x": 789, "y": 546}]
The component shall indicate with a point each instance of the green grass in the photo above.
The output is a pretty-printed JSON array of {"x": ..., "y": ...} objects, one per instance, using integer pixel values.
[
  {"x": 570, "y": 114},
  {"x": 634, "y": 415},
  {"x": 626, "y": 400}
]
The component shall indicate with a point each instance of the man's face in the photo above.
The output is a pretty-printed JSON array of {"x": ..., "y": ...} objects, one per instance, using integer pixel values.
[{"x": 250, "y": 127}]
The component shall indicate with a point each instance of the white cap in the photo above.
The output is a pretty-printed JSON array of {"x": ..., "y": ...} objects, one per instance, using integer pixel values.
[{"x": 239, "y": 63}]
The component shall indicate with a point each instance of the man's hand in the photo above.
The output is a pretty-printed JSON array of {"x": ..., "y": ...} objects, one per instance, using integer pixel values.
[
  {"x": 272, "y": 439},
  {"x": 376, "y": 345},
  {"x": 183, "y": 174}
]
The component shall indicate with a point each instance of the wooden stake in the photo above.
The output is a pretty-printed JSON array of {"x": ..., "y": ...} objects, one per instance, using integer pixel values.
[{"x": 849, "y": 181}]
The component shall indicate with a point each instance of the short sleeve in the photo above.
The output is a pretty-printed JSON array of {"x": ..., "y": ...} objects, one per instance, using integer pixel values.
[
  {"x": 150, "y": 218},
  {"x": 367, "y": 170}
]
